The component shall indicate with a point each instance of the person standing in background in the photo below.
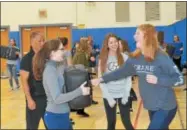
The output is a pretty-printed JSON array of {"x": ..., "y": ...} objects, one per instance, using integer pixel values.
[
  {"x": 81, "y": 56},
  {"x": 178, "y": 52},
  {"x": 11, "y": 65}
]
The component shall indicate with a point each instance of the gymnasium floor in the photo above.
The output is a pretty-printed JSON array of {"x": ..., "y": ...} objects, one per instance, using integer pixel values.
[{"x": 13, "y": 111}]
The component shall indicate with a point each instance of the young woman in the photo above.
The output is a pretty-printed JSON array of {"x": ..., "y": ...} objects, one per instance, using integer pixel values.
[
  {"x": 117, "y": 92},
  {"x": 178, "y": 52},
  {"x": 11, "y": 65},
  {"x": 81, "y": 56},
  {"x": 45, "y": 67},
  {"x": 157, "y": 74}
]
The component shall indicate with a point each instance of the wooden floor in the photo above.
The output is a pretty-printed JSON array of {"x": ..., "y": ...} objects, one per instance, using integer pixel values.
[{"x": 13, "y": 111}]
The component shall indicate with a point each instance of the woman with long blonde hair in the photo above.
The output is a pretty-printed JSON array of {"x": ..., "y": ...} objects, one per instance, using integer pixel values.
[
  {"x": 81, "y": 57},
  {"x": 157, "y": 75},
  {"x": 118, "y": 92},
  {"x": 82, "y": 53}
]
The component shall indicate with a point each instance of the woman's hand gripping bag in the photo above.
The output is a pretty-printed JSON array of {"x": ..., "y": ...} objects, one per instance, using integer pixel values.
[{"x": 74, "y": 76}]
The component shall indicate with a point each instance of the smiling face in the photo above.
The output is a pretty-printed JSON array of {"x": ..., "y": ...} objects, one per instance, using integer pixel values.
[{"x": 113, "y": 44}]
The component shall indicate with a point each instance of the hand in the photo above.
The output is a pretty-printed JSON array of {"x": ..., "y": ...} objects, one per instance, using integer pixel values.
[
  {"x": 85, "y": 90},
  {"x": 151, "y": 79},
  {"x": 92, "y": 59},
  {"x": 31, "y": 104},
  {"x": 17, "y": 53},
  {"x": 95, "y": 82},
  {"x": 97, "y": 50}
]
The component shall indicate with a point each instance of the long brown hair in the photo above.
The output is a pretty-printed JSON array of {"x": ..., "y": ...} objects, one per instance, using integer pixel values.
[
  {"x": 150, "y": 43},
  {"x": 42, "y": 56},
  {"x": 104, "y": 53},
  {"x": 83, "y": 46},
  {"x": 125, "y": 47}
]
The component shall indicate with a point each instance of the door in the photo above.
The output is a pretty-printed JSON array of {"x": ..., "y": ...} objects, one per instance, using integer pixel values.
[
  {"x": 53, "y": 32},
  {"x": 66, "y": 32},
  {"x": 25, "y": 37},
  {"x": 4, "y": 42}
]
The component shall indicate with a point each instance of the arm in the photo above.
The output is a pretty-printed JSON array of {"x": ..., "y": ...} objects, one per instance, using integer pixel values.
[
  {"x": 51, "y": 80},
  {"x": 181, "y": 49},
  {"x": 26, "y": 88},
  {"x": 126, "y": 70},
  {"x": 69, "y": 61},
  {"x": 69, "y": 58},
  {"x": 103, "y": 89},
  {"x": 171, "y": 75},
  {"x": 24, "y": 74}
]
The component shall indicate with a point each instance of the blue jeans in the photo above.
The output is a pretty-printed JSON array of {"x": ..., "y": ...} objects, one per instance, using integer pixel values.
[
  {"x": 57, "y": 121},
  {"x": 12, "y": 74},
  {"x": 161, "y": 119}
]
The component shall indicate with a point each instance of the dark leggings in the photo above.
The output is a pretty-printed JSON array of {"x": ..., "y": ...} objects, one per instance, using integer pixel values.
[
  {"x": 124, "y": 112},
  {"x": 178, "y": 63},
  {"x": 33, "y": 116}
]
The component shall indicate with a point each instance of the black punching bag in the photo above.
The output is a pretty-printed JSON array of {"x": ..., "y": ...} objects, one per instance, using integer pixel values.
[
  {"x": 74, "y": 77},
  {"x": 9, "y": 53},
  {"x": 3, "y": 51}
]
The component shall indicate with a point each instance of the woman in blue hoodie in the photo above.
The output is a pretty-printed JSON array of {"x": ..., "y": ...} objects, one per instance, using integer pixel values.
[
  {"x": 177, "y": 52},
  {"x": 157, "y": 75}
]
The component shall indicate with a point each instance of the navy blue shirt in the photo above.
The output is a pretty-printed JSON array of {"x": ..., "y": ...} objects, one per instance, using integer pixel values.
[
  {"x": 154, "y": 96},
  {"x": 178, "y": 46}
]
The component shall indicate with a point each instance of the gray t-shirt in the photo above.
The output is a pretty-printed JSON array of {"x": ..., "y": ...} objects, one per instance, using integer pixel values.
[{"x": 118, "y": 88}]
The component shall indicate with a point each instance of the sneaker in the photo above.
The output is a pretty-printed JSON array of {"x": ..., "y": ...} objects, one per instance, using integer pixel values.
[
  {"x": 94, "y": 102},
  {"x": 82, "y": 113},
  {"x": 18, "y": 87},
  {"x": 72, "y": 122}
]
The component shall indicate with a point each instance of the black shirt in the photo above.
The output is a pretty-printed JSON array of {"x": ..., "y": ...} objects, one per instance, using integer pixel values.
[{"x": 36, "y": 86}]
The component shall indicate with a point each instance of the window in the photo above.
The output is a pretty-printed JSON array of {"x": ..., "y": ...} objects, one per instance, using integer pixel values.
[
  {"x": 152, "y": 11},
  {"x": 122, "y": 11},
  {"x": 180, "y": 10}
]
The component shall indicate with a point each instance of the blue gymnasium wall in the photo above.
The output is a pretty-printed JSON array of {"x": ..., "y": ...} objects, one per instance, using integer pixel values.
[{"x": 98, "y": 34}]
